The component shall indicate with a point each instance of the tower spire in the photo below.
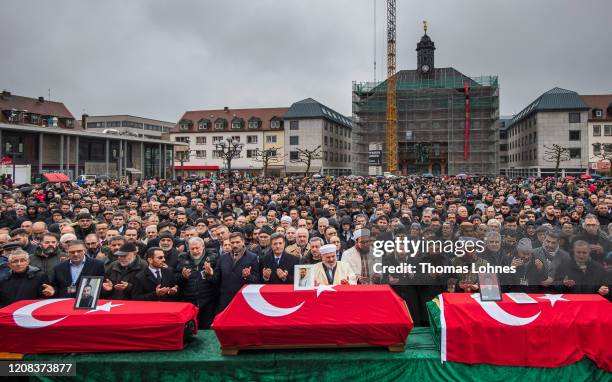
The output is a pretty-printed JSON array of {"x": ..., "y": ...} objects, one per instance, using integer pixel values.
[{"x": 425, "y": 26}]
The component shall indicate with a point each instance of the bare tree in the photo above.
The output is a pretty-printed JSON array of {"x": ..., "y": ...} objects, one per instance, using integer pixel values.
[
  {"x": 306, "y": 157},
  {"x": 267, "y": 157},
  {"x": 556, "y": 154}
]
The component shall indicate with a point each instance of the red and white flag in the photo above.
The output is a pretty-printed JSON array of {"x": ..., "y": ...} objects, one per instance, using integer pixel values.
[
  {"x": 54, "y": 326},
  {"x": 277, "y": 315},
  {"x": 555, "y": 330}
]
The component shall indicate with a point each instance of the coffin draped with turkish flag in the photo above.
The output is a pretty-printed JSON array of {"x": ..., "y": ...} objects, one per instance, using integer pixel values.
[
  {"x": 278, "y": 315},
  {"x": 553, "y": 331},
  {"x": 54, "y": 326}
]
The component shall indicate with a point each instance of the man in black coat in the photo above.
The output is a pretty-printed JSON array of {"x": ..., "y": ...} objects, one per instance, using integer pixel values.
[
  {"x": 68, "y": 274},
  {"x": 23, "y": 282},
  {"x": 157, "y": 281},
  {"x": 581, "y": 274},
  {"x": 120, "y": 275},
  {"x": 233, "y": 270},
  {"x": 277, "y": 266}
]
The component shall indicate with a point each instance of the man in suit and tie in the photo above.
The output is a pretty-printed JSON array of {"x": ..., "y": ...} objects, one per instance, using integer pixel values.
[
  {"x": 330, "y": 271},
  {"x": 156, "y": 282},
  {"x": 277, "y": 266},
  {"x": 68, "y": 274},
  {"x": 233, "y": 270}
]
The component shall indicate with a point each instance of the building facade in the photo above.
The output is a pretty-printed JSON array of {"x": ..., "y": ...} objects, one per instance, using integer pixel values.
[
  {"x": 599, "y": 132},
  {"x": 504, "y": 122},
  {"x": 313, "y": 127},
  {"x": 127, "y": 125},
  {"x": 46, "y": 136},
  {"x": 255, "y": 130},
  {"x": 557, "y": 117},
  {"x": 446, "y": 121}
]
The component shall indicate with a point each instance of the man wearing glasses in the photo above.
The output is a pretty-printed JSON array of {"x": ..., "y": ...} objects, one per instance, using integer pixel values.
[{"x": 67, "y": 274}]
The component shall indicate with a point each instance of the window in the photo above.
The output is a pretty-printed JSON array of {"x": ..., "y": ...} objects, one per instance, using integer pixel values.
[
  {"x": 293, "y": 155},
  {"x": 201, "y": 154},
  {"x": 251, "y": 139},
  {"x": 294, "y": 140},
  {"x": 70, "y": 123},
  {"x": 608, "y": 130},
  {"x": 598, "y": 113},
  {"x": 251, "y": 153},
  {"x": 253, "y": 124},
  {"x": 236, "y": 138},
  {"x": 325, "y": 155},
  {"x": 275, "y": 124},
  {"x": 294, "y": 125},
  {"x": 271, "y": 139},
  {"x": 217, "y": 139},
  {"x": 574, "y": 117},
  {"x": 34, "y": 118},
  {"x": 182, "y": 139},
  {"x": 597, "y": 130},
  {"x": 217, "y": 154},
  {"x": 237, "y": 124},
  {"x": 574, "y": 153},
  {"x": 220, "y": 124},
  {"x": 574, "y": 135},
  {"x": 200, "y": 140},
  {"x": 202, "y": 125},
  {"x": 325, "y": 141}
]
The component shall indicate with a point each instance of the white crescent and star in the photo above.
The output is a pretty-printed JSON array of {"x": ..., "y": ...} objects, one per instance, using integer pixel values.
[
  {"x": 23, "y": 316},
  {"x": 252, "y": 296},
  {"x": 498, "y": 314},
  {"x": 105, "y": 307},
  {"x": 553, "y": 298}
]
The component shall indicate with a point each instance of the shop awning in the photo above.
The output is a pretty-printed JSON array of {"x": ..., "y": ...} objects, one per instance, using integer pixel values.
[
  {"x": 56, "y": 177},
  {"x": 196, "y": 167}
]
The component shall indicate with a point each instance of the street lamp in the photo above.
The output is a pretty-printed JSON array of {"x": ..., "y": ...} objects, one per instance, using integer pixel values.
[{"x": 228, "y": 150}]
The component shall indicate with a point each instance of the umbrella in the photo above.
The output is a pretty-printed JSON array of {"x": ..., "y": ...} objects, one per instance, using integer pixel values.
[
  {"x": 428, "y": 175},
  {"x": 596, "y": 176},
  {"x": 585, "y": 176},
  {"x": 462, "y": 176}
]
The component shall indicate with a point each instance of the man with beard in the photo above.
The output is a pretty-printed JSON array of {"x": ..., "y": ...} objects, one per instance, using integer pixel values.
[
  {"x": 48, "y": 254},
  {"x": 358, "y": 256},
  {"x": 21, "y": 235},
  {"x": 313, "y": 255},
  {"x": 290, "y": 236},
  {"x": 331, "y": 271},
  {"x": 599, "y": 242},
  {"x": 84, "y": 226},
  {"x": 166, "y": 243},
  {"x": 263, "y": 248},
  {"x": 195, "y": 287},
  {"x": 531, "y": 270},
  {"x": 95, "y": 250},
  {"x": 583, "y": 275},
  {"x": 301, "y": 246},
  {"x": 120, "y": 276},
  {"x": 466, "y": 282},
  {"x": 24, "y": 282}
]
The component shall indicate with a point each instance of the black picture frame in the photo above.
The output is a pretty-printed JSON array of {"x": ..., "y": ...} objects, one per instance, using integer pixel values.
[
  {"x": 489, "y": 287},
  {"x": 95, "y": 287}
]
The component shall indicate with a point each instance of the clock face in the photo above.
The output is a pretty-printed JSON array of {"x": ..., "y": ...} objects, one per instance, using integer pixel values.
[{"x": 425, "y": 68}]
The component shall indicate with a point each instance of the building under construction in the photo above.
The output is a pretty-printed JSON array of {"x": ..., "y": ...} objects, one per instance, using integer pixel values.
[{"x": 446, "y": 121}]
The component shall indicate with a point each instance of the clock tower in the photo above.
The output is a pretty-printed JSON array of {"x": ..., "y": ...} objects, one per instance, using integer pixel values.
[{"x": 425, "y": 53}]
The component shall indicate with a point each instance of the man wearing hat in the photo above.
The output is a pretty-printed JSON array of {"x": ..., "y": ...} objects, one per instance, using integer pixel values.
[
  {"x": 6, "y": 250},
  {"x": 531, "y": 269},
  {"x": 358, "y": 256},
  {"x": 263, "y": 248},
  {"x": 331, "y": 271},
  {"x": 120, "y": 275},
  {"x": 84, "y": 226}
]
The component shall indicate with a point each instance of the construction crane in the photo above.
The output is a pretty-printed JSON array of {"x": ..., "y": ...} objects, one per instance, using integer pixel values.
[{"x": 391, "y": 91}]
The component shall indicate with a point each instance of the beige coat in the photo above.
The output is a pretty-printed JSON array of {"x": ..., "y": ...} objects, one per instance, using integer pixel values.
[{"x": 343, "y": 272}]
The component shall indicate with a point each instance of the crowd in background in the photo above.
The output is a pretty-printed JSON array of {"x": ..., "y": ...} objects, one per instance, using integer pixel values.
[{"x": 200, "y": 242}]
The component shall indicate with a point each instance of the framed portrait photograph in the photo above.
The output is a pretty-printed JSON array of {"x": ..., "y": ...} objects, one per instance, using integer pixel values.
[
  {"x": 489, "y": 287},
  {"x": 88, "y": 292},
  {"x": 303, "y": 277}
]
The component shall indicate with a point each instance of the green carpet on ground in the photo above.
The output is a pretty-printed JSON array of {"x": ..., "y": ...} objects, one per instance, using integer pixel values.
[{"x": 201, "y": 360}]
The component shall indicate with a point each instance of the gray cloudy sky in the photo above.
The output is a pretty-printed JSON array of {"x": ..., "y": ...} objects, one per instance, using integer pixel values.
[{"x": 159, "y": 58}]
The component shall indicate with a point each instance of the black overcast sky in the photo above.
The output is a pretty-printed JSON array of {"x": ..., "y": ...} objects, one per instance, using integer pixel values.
[{"x": 159, "y": 58}]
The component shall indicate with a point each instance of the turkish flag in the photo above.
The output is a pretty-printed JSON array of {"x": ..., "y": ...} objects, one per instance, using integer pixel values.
[
  {"x": 277, "y": 315},
  {"x": 54, "y": 326},
  {"x": 554, "y": 331}
]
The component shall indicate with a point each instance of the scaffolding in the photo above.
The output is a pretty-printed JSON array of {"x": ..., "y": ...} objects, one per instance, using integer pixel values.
[{"x": 431, "y": 126}]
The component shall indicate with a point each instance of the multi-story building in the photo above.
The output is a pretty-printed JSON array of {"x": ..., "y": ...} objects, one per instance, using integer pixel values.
[
  {"x": 46, "y": 136},
  {"x": 446, "y": 121},
  {"x": 503, "y": 144},
  {"x": 310, "y": 125},
  {"x": 128, "y": 124},
  {"x": 255, "y": 130},
  {"x": 599, "y": 131},
  {"x": 557, "y": 117}
]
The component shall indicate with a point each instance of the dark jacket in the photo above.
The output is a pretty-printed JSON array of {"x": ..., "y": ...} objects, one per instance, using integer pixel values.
[
  {"x": 145, "y": 285},
  {"x": 527, "y": 277},
  {"x": 4, "y": 268},
  {"x": 588, "y": 281},
  {"x": 116, "y": 273},
  {"x": 228, "y": 276},
  {"x": 62, "y": 278},
  {"x": 287, "y": 262},
  {"x": 197, "y": 289},
  {"x": 81, "y": 233},
  {"x": 22, "y": 286},
  {"x": 45, "y": 262}
]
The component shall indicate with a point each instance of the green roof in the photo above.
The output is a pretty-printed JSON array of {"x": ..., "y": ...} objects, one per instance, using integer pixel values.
[
  {"x": 310, "y": 108},
  {"x": 555, "y": 99}
]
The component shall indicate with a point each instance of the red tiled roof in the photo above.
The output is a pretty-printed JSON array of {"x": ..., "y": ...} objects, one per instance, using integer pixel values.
[
  {"x": 265, "y": 114},
  {"x": 603, "y": 102},
  {"x": 33, "y": 105}
]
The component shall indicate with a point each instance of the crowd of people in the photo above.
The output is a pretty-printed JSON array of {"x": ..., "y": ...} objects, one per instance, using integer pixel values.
[{"x": 200, "y": 242}]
